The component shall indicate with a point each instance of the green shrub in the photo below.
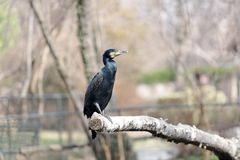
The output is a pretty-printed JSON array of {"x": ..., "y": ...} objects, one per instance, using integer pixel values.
[
  {"x": 215, "y": 71},
  {"x": 166, "y": 75}
]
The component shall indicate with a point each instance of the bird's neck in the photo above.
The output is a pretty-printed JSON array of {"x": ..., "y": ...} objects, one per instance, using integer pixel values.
[{"x": 111, "y": 65}]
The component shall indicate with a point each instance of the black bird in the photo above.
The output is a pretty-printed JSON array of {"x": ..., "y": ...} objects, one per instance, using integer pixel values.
[{"x": 99, "y": 91}]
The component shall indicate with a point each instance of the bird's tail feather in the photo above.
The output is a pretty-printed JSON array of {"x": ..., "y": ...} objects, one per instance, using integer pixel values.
[{"x": 94, "y": 134}]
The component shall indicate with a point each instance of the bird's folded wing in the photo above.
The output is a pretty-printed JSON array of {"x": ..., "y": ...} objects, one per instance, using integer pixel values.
[
  {"x": 96, "y": 81},
  {"x": 94, "y": 84}
]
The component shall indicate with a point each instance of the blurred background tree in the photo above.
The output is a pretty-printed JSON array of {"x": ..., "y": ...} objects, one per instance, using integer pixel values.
[{"x": 168, "y": 43}]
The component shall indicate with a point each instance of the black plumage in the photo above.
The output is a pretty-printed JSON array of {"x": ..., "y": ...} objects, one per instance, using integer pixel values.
[{"x": 99, "y": 91}]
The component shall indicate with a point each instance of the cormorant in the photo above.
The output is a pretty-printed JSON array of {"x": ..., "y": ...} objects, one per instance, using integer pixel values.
[{"x": 100, "y": 88}]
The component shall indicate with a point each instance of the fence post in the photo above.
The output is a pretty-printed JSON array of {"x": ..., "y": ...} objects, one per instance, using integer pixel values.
[{"x": 61, "y": 118}]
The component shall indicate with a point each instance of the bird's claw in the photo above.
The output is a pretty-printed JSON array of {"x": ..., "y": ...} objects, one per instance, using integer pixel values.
[{"x": 108, "y": 117}]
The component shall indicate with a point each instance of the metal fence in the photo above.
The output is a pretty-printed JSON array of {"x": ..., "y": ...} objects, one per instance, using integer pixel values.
[
  {"x": 49, "y": 123},
  {"x": 38, "y": 123}
]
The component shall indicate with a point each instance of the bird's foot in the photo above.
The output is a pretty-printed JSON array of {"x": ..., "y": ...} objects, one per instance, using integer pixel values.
[{"x": 106, "y": 116}]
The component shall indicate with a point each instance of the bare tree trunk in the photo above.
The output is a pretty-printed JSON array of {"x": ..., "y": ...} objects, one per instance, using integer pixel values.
[
  {"x": 96, "y": 33},
  {"x": 87, "y": 34},
  {"x": 105, "y": 147},
  {"x": 40, "y": 82},
  {"x": 66, "y": 81},
  {"x": 101, "y": 147},
  {"x": 120, "y": 147},
  {"x": 27, "y": 83},
  {"x": 85, "y": 38}
]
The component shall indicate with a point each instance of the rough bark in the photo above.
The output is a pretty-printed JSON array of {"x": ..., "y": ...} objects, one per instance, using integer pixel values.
[
  {"x": 85, "y": 37},
  {"x": 89, "y": 52},
  {"x": 225, "y": 149}
]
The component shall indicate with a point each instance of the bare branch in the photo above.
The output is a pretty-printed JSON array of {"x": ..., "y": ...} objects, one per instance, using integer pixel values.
[
  {"x": 225, "y": 149},
  {"x": 61, "y": 71},
  {"x": 47, "y": 41}
]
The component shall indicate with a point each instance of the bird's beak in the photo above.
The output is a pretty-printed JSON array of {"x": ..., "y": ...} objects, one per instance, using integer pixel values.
[{"x": 119, "y": 53}]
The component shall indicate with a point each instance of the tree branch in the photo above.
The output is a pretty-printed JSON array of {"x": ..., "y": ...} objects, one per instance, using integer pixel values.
[
  {"x": 225, "y": 149},
  {"x": 61, "y": 71}
]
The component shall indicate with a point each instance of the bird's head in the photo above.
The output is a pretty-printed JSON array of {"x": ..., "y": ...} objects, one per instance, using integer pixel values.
[{"x": 112, "y": 53}]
